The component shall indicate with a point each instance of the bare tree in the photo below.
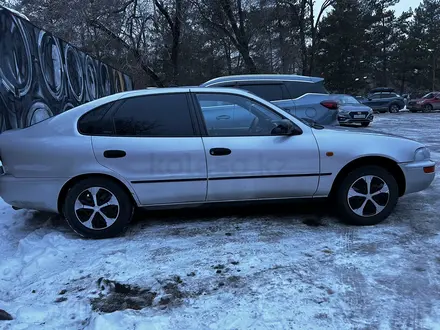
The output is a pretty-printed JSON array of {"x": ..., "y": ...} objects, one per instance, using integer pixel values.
[{"x": 229, "y": 17}]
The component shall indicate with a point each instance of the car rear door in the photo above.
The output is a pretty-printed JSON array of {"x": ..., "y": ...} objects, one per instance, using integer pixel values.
[
  {"x": 253, "y": 164},
  {"x": 155, "y": 145}
]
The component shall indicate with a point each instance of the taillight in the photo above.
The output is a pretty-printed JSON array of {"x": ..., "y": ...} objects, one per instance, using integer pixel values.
[{"x": 331, "y": 105}]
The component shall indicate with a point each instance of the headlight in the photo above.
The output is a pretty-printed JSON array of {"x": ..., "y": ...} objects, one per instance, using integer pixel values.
[
  {"x": 422, "y": 154},
  {"x": 343, "y": 112},
  {"x": 419, "y": 102}
]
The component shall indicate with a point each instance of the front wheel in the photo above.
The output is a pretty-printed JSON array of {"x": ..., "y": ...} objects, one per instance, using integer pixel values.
[
  {"x": 427, "y": 108},
  {"x": 394, "y": 108},
  {"x": 98, "y": 208},
  {"x": 367, "y": 196}
]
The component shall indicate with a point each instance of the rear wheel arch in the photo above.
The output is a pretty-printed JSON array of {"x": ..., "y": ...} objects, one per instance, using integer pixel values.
[
  {"x": 384, "y": 162},
  {"x": 69, "y": 184}
]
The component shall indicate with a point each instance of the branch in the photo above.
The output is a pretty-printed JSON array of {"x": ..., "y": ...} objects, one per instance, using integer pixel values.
[
  {"x": 123, "y": 8},
  {"x": 165, "y": 13}
]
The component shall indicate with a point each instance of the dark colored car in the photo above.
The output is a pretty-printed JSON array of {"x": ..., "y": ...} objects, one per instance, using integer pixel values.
[
  {"x": 383, "y": 100},
  {"x": 351, "y": 111},
  {"x": 427, "y": 103},
  {"x": 302, "y": 96}
]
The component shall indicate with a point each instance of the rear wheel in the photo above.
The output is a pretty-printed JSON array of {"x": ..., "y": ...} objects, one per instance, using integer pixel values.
[
  {"x": 98, "y": 208},
  {"x": 427, "y": 108},
  {"x": 394, "y": 108},
  {"x": 367, "y": 195}
]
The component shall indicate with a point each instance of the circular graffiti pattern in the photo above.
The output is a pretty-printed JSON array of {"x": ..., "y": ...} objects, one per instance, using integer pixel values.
[
  {"x": 91, "y": 79},
  {"x": 37, "y": 112},
  {"x": 68, "y": 106},
  {"x": 51, "y": 64},
  {"x": 119, "y": 82},
  {"x": 16, "y": 61},
  {"x": 74, "y": 71},
  {"x": 106, "y": 87}
]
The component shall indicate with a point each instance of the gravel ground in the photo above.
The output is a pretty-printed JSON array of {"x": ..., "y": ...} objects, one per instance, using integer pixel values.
[{"x": 276, "y": 266}]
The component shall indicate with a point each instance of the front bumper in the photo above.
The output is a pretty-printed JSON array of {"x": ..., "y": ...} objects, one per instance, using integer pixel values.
[
  {"x": 416, "y": 176},
  {"x": 415, "y": 107},
  {"x": 348, "y": 118}
]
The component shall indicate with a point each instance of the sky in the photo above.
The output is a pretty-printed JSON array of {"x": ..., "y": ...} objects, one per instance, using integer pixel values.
[{"x": 399, "y": 8}]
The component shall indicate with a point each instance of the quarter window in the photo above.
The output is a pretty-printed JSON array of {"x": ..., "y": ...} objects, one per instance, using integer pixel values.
[
  {"x": 298, "y": 88},
  {"x": 236, "y": 116},
  {"x": 164, "y": 115},
  {"x": 269, "y": 92},
  {"x": 92, "y": 122}
]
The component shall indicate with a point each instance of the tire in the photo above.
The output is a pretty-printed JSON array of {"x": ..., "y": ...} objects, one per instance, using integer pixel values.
[
  {"x": 119, "y": 212},
  {"x": 394, "y": 108},
  {"x": 365, "y": 124},
  {"x": 354, "y": 182},
  {"x": 427, "y": 108}
]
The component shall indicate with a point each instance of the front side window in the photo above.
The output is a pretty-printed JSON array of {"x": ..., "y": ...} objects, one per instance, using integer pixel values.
[
  {"x": 374, "y": 96},
  {"x": 237, "y": 116},
  {"x": 164, "y": 115}
]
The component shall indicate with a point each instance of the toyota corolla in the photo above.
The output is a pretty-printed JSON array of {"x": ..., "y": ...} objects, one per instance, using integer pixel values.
[{"x": 96, "y": 163}]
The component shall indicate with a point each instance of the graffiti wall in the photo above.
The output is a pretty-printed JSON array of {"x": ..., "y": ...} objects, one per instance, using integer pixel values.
[{"x": 41, "y": 75}]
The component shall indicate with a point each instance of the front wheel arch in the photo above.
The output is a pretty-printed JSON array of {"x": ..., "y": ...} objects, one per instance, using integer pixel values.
[
  {"x": 69, "y": 184},
  {"x": 388, "y": 164}
]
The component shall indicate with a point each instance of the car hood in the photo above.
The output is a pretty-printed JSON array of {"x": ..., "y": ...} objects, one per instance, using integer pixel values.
[
  {"x": 362, "y": 131},
  {"x": 352, "y": 143}
]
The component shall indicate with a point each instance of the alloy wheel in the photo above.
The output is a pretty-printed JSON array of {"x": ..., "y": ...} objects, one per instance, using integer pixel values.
[
  {"x": 97, "y": 208},
  {"x": 394, "y": 108},
  {"x": 368, "y": 196}
]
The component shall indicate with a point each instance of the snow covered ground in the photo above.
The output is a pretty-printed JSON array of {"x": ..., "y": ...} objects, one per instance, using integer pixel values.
[{"x": 270, "y": 267}]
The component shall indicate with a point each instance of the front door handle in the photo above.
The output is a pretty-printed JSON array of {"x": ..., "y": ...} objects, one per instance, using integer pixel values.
[
  {"x": 220, "y": 151},
  {"x": 223, "y": 117},
  {"x": 114, "y": 153}
]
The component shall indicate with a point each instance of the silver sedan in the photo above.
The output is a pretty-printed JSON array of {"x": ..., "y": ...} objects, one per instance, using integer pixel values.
[{"x": 166, "y": 147}]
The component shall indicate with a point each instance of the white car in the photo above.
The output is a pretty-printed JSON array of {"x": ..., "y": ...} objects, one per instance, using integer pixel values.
[{"x": 161, "y": 147}]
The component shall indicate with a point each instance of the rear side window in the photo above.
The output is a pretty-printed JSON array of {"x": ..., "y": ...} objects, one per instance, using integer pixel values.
[
  {"x": 269, "y": 92},
  {"x": 165, "y": 115},
  {"x": 92, "y": 122},
  {"x": 298, "y": 88}
]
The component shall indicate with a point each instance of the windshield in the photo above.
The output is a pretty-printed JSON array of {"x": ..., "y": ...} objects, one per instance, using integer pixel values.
[
  {"x": 428, "y": 96},
  {"x": 345, "y": 99}
]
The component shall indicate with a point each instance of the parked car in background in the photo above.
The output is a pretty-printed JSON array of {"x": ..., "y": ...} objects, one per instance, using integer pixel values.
[
  {"x": 383, "y": 100},
  {"x": 427, "y": 103},
  {"x": 304, "y": 97},
  {"x": 161, "y": 147},
  {"x": 351, "y": 111}
]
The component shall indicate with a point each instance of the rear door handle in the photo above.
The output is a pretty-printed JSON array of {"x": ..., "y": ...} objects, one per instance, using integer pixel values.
[
  {"x": 114, "y": 153},
  {"x": 223, "y": 117},
  {"x": 220, "y": 151}
]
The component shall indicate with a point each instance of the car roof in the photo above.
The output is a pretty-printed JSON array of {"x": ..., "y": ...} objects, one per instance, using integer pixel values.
[
  {"x": 382, "y": 89},
  {"x": 263, "y": 77}
]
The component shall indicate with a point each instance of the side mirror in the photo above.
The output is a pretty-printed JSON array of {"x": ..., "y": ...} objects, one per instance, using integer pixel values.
[{"x": 284, "y": 127}]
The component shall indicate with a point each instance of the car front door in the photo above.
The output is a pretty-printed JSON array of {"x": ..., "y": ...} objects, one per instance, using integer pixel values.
[
  {"x": 155, "y": 146},
  {"x": 249, "y": 162},
  {"x": 436, "y": 102}
]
